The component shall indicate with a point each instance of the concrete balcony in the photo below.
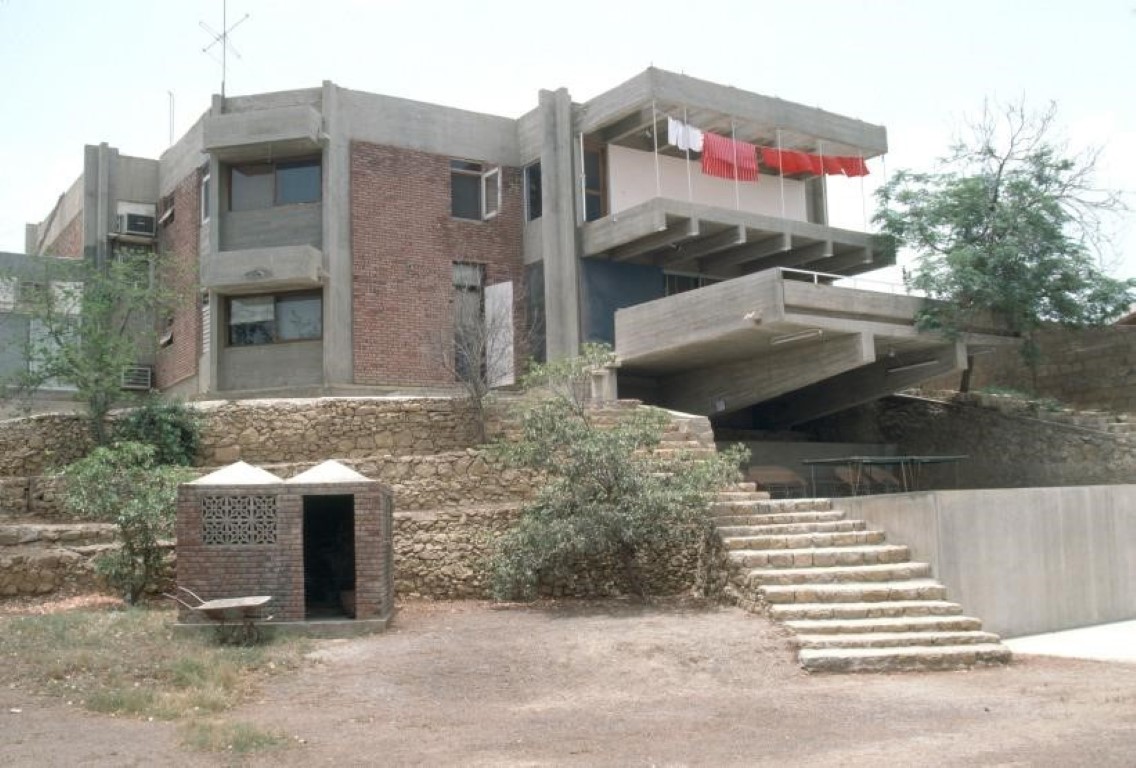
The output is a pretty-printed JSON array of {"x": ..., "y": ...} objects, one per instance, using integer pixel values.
[
  {"x": 693, "y": 237},
  {"x": 288, "y": 130},
  {"x": 291, "y": 267},
  {"x": 784, "y": 339}
]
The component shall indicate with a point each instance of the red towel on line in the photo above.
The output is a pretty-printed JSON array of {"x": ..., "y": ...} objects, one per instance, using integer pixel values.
[
  {"x": 791, "y": 162},
  {"x": 727, "y": 158}
]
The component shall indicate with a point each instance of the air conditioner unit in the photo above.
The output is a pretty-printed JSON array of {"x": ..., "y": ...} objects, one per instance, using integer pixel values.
[
  {"x": 138, "y": 378},
  {"x": 139, "y": 219}
]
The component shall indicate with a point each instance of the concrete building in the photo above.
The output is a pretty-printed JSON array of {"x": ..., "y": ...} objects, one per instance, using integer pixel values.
[{"x": 333, "y": 235}]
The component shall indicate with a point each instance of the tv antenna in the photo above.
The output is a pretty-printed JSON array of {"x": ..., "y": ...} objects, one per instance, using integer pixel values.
[{"x": 222, "y": 37}]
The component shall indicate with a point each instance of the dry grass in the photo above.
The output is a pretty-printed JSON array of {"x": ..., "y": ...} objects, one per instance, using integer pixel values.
[
  {"x": 222, "y": 736},
  {"x": 130, "y": 663}
]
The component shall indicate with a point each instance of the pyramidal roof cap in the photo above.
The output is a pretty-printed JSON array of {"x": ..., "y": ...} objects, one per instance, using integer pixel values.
[
  {"x": 329, "y": 472},
  {"x": 239, "y": 473}
]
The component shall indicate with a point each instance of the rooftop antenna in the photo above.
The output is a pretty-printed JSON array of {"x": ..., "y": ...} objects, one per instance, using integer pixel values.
[{"x": 222, "y": 37}]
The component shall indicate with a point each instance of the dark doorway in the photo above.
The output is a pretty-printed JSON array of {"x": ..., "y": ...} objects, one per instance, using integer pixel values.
[{"x": 329, "y": 556}]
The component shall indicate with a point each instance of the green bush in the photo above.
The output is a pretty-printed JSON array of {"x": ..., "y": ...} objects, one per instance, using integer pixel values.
[
  {"x": 607, "y": 497},
  {"x": 172, "y": 428},
  {"x": 123, "y": 484}
]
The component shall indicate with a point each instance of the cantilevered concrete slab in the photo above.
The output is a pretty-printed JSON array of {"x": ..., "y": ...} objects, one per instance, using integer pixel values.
[
  {"x": 628, "y": 109},
  {"x": 686, "y": 236},
  {"x": 782, "y": 337}
]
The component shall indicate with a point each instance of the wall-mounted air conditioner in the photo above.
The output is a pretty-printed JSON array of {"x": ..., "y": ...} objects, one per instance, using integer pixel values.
[
  {"x": 139, "y": 378},
  {"x": 138, "y": 219}
]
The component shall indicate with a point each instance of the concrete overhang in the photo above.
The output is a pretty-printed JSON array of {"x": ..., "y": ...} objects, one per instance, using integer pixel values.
[
  {"x": 770, "y": 334},
  {"x": 263, "y": 269},
  {"x": 628, "y": 110},
  {"x": 281, "y": 131},
  {"x": 686, "y": 236}
]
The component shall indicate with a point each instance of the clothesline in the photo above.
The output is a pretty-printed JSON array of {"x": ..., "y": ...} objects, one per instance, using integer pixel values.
[{"x": 732, "y": 159}]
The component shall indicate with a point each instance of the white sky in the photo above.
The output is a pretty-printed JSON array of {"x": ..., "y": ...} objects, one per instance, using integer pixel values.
[{"x": 83, "y": 72}]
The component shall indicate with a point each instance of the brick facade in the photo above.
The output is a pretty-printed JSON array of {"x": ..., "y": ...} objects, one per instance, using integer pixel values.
[
  {"x": 69, "y": 242},
  {"x": 178, "y": 241},
  {"x": 404, "y": 241},
  {"x": 225, "y": 570}
]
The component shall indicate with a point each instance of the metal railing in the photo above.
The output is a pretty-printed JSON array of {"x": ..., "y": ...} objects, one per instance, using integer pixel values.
[{"x": 843, "y": 281}]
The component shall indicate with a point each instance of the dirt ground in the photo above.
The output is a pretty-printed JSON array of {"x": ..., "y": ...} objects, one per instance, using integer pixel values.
[{"x": 616, "y": 684}]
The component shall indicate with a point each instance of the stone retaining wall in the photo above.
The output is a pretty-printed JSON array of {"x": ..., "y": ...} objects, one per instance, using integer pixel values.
[
  {"x": 38, "y": 444},
  {"x": 1005, "y": 450},
  {"x": 37, "y": 559},
  {"x": 1085, "y": 368}
]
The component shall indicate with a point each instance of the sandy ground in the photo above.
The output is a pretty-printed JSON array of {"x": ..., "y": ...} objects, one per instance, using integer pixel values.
[{"x": 617, "y": 684}]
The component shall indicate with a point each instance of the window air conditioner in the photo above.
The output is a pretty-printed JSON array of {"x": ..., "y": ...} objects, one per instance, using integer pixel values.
[
  {"x": 138, "y": 378},
  {"x": 138, "y": 219}
]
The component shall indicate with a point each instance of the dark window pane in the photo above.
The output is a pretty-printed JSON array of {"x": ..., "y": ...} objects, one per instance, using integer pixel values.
[
  {"x": 465, "y": 196},
  {"x": 533, "y": 191},
  {"x": 465, "y": 165},
  {"x": 592, "y": 169},
  {"x": 593, "y": 206},
  {"x": 298, "y": 182},
  {"x": 299, "y": 317},
  {"x": 250, "y": 187}
]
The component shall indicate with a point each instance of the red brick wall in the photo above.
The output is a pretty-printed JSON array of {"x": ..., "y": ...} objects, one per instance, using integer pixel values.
[
  {"x": 404, "y": 241},
  {"x": 69, "y": 242},
  {"x": 178, "y": 242}
]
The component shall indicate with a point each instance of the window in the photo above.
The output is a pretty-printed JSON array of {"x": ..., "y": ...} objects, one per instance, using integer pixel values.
[
  {"x": 469, "y": 342},
  {"x": 205, "y": 180},
  {"x": 475, "y": 191},
  {"x": 270, "y": 319},
  {"x": 595, "y": 183},
  {"x": 676, "y": 283},
  {"x": 8, "y": 289},
  {"x": 533, "y": 195},
  {"x": 255, "y": 186}
]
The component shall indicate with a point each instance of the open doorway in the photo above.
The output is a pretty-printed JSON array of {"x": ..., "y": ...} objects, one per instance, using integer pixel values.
[{"x": 329, "y": 556}]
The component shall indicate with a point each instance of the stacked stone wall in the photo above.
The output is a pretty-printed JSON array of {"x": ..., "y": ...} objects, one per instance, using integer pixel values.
[
  {"x": 1086, "y": 368},
  {"x": 1003, "y": 449}
]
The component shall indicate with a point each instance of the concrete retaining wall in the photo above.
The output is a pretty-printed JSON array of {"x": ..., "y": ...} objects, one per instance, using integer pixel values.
[{"x": 1025, "y": 561}]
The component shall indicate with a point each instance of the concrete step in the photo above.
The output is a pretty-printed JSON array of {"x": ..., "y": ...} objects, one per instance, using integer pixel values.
[
  {"x": 896, "y": 639},
  {"x": 902, "y": 659},
  {"x": 839, "y": 574},
  {"x": 727, "y": 521},
  {"x": 887, "y": 624},
  {"x": 868, "y": 554},
  {"x": 814, "y": 540},
  {"x": 737, "y": 536},
  {"x": 759, "y": 503},
  {"x": 874, "y": 592},
  {"x": 846, "y": 611}
]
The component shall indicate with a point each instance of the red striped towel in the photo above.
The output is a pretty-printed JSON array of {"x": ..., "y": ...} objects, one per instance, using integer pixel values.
[{"x": 727, "y": 158}]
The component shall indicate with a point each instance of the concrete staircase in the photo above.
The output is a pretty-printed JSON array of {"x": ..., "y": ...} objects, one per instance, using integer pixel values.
[{"x": 854, "y": 602}]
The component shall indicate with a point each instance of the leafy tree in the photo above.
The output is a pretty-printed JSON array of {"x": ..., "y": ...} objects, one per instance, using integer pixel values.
[
  {"x": 606, "y": 496},
  {"x": 171, "y": 428},
  {"x": 1008, "y": 230},
  {"x": 123, "y": 484},
  {"x": 91, "y": 323}
]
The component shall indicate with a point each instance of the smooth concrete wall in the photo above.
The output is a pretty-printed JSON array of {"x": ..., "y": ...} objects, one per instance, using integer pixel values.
[
  {"x": 69, "y": 205},
  {"x": 631, "y": 181},
  {"x": 268, "y": 366},
  {"x": 280, "y": 225},
  {"x": 135, "y": 180},
  {"x": 183, "y": 158},
  {"x": 429, "y": 128},
  {"x": 1024, "y": 560}
]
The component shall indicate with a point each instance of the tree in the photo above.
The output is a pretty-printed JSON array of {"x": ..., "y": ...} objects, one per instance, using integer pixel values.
[
  {"x": 1010, "y": 228},
  {"x": 123, "y": 484},
  {"x": 89, "y": 324},
  {"x": 606, "y": 497},
  {"x": 480, "y": 349}
]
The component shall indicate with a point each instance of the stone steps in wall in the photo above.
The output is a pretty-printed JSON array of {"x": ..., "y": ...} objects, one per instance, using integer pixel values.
[
  {"x": 50, "y": 534},
  {"x": 733, "y": 503},
  {"x": 854, "y": 602}
]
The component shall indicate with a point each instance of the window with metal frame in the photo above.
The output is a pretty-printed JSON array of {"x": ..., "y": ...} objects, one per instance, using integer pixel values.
[
  {"x": 256, "y": 186},
  {"x": 475, "y": 190},
  {"x": 274, "y": 318}
]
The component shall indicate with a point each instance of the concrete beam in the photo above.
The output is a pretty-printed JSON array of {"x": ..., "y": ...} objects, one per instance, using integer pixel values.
[
  {"x": 800, "y": 256},
  {"x": 838, "y": 264},
  {"x": 862, "y": 385},
  {"x": 732, "y": 386},
  {"x": 691, "y": 252},
  {"x": 680, "y": 230},
  {"x": 621, "y": 228},
  {"x": 747, "y": 253}
]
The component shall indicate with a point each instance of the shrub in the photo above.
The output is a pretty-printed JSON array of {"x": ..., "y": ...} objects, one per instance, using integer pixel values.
[
  {"x": 172, "y": 428},
  {"x": 122, "y": 484},
  {"x": 607, "y": 496}
]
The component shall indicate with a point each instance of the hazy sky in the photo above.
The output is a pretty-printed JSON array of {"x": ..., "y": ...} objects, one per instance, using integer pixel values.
[{"x": 76, "y": 73}]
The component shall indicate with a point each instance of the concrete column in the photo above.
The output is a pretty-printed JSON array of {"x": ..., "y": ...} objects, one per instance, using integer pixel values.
[
  {"x": 815, "y": 192},
  {"x": 338, "y": 361},
  {"x": 90, "y": 201},
  {"x": 561, "y": 262},
  {"x": 31, "y": 239}
]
